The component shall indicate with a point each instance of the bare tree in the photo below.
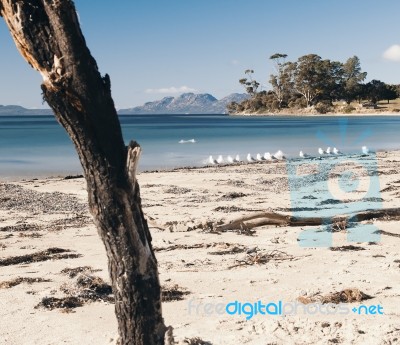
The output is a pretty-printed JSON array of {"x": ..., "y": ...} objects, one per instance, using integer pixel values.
[{"x": 48, "y": 36}]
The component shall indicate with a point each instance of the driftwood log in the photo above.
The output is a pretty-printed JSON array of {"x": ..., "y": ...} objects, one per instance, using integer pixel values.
[
  {"x": 258, "y": 219},
  {"x": 48, "y": 36}
]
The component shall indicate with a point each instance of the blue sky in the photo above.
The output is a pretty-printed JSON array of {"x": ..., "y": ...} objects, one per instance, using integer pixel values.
[{"x": 156, "y": 48}]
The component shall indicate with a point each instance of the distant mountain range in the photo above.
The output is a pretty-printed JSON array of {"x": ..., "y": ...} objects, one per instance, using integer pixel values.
[
  {"x": 187, "y": 103},
  {"x": 18, "y": 110}
]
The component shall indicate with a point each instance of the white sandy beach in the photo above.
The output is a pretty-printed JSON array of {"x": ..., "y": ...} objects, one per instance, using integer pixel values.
[{"x": 51, "y": 213}]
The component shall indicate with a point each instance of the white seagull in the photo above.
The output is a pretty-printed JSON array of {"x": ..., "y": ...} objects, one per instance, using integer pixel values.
[
  {"x": 259, "y": 157},
  {"x": 303, "y": 155},
  {"x": 250, "y": 159},
  {"x": 336, "y": 151},
  {"x": 279, "y": 155},
  {"x": 237, "y": 159},
  {"x": 267, "y": 156},
  {"x": 328, "y": 150},
  {"x": 229, "y": 159},
  {"x": 211, "y": 160},
  {"x": 220, "y": 159},
  {"x": 321, "y": 151},
  {"x": 365, "y": 150}
]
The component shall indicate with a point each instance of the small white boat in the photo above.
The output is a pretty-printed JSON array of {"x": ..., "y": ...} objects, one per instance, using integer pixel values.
[{"x": 190, "y": 141}]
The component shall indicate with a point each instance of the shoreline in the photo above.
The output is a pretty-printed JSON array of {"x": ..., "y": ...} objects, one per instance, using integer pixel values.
[
  {"x": 306, "y": 113},
  {"x": 188, "y": 168}
]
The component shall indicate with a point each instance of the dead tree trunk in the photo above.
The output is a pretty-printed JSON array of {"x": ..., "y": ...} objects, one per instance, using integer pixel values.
[{"x": 48, "y": 36}]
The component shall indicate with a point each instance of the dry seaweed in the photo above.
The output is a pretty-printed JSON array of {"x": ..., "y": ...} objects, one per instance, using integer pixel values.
[
  {"x": 173, "y": 293},
  {"x": 73, "y": 272},
  {"x": 347, "y": 248},
  {"x": 48, "y": 254},
  {"x": 196, "y": 341},
  {"x": 234, "y": 250},
  {"x": 11, "y": 283},
  {"x": 180, "y": 246},
  {"x": 232, "y": 196},
  {"x": 86, "y": 289},
  {"x": 261, "y": 258},
  {"x": 20, "y": 227},
  {"x": 72, "y": 177},
  {"x": 343, "y": 296},
  {"x": 18, "y": 198},
  {"x": 383, "y": 232},
  {"x": 67, "y": 303},
  {"x": 30, "y": 235}
]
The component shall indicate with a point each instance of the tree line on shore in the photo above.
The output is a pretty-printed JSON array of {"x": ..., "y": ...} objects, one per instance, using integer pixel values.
[{"x": 312, "y": 82}]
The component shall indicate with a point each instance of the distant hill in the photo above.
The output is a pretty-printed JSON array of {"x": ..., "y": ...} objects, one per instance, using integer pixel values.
[
  {"x": 187, "y": 103},
  {"x": 18, "y": 110}
]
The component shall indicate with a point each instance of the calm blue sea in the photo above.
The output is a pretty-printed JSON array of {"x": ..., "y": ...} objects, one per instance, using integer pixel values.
[{"x": 37, "y": 145}]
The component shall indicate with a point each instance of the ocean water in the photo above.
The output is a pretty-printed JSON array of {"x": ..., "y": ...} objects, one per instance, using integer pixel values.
[{"x": 37, "y": 146}]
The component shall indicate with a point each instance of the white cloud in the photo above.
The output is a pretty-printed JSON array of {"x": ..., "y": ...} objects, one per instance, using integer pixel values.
[
  {"x": 171, "y": 89},
  {"x": 392, "y": 53}
]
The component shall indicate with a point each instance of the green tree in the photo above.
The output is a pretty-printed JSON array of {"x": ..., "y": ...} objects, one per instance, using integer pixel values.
[
  {"x": 249, "y": 83},
  {"x": 352, "y": 79},
  {"x": 390, "y": 93},
  {"x": 309, "y": 75},
  {"x": 281, "y": 81},
  {"x": 375, "y": 90}
]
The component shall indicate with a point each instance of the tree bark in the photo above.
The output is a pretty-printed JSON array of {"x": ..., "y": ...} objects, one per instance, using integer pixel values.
[{"x": 48, "y": 36}]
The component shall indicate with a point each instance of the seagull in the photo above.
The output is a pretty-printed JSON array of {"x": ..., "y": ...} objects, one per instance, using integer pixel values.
[
  {"x": 237, "y": 158},
  {"x": 250, "y": 159},
  {"x": 328, "y": 150},
  {"x": 220, "y": 159},
  {"x": 279, "y": 155},
  {"x": 303, "y": 155},
  {"x": 259, "y": 157},
  {"x": 229, "y": 159},
  {"x": 336, "y": 151},
  {"x": 211, "y": 160},
  {"x": 267, "y": 156},
  {"x": 321, "y": 151},
  {"x": 365, "y": 150}
]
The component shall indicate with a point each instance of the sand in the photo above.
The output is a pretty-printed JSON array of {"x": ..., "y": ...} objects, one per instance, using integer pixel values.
[{"x": 208, "y": 267}]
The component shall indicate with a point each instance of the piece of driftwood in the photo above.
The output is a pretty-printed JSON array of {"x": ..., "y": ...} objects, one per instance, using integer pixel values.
[{"x": 273, "y": 218}]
